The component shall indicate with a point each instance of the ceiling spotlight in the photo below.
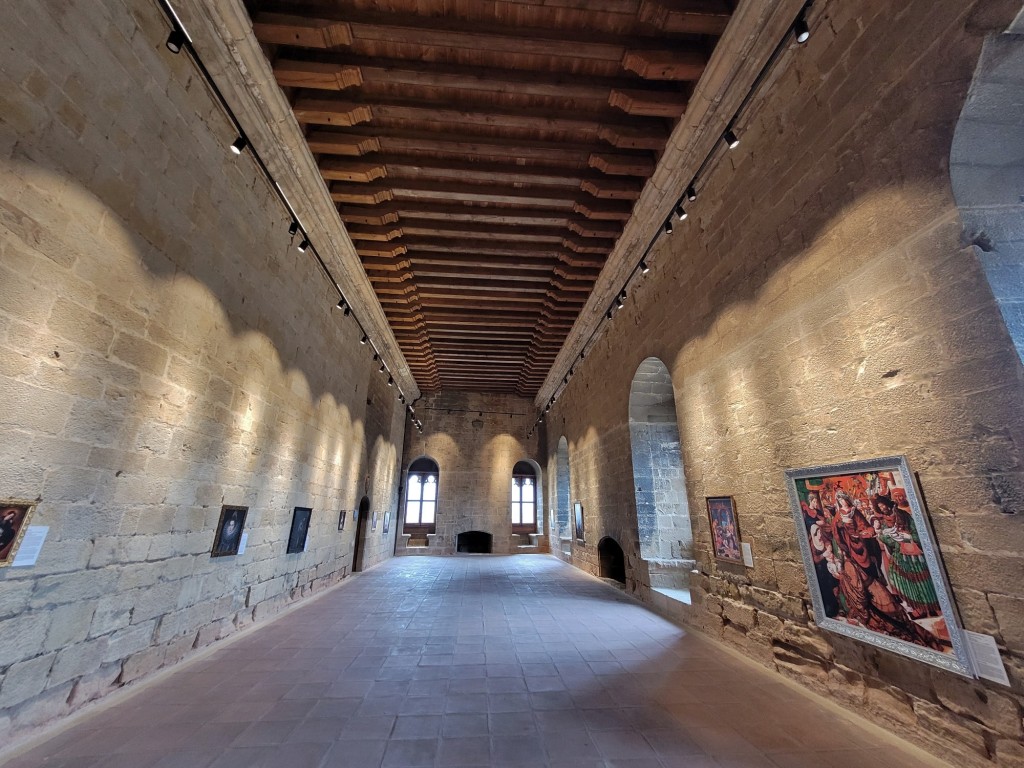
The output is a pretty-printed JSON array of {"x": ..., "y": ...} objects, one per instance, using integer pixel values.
[
  {"x": 583, "y": 354},
  {"x": 176, "y": 40},
  {"x": 376, "y": 357},
  {"x": 644, "y": 269},
  {"x": 691, "y": 193},
  {"x": 391, "y": 381},
  {"x": 293, "y": 229},
  {"x": 681, "y": 213},
  {"x": 348, "y": 310},
  {"x": 304, "y": 245},
  {"x": 571, "y": 370},
  {"x": 364, "y": 339},
  {"x": 239, "y": 144},
  {"x": 800, "y": 28},
  {"x": 730, "y": 138},
  {"x": 618, "y": 302},
  {"x": 608, "y": 314},
  {"x": 341, "y": 304},
  {"x": 383, "y": 367},
  {"x": 667, "y": 226},
  {"x": 565, "y": 379},
  {"x": 540, "y": 420},
  {"x": 401, "y": 398},
  {"x": 548, "y": 408}
]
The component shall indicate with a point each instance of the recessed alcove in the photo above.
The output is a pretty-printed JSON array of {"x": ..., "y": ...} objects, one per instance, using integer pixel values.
[
  {"x": 473, "y": 543},
  {"x": 612, "y": 560}
]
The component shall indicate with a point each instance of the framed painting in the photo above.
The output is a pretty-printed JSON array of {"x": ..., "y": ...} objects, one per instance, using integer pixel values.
[
  {"x": 229, "y": 531},
  {"x": 872, "y": 563},
  {"x": 373, "y": 521},
  {"x": 387, "y": 522},
  {"x": 341, "y": 519},
  {"x": 300, "y": 530},
  {"x": 14, "y": 519},
  {"x": 725, "y": 529},
  {"x": 577, "y": 509}
]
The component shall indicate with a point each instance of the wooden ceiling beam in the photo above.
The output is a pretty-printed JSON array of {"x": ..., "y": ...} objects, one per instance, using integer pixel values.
[
  {"x": 451, "y": 191},
  {"x": 443, "y": 35},
  {"x": 403, "y": 141},
  {"x": 703, "y": 17},
  {"x": 328, "y": 109}
]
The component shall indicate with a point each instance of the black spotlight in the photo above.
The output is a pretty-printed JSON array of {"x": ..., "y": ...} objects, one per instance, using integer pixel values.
[
  {"x": 730, "y": 138},
  {"x": 239, "y": 144},
  {"x": 608, "y": 314},
  {"x": 644, "y": 269},
  {"x": 401, "y": 399},
  {"x": 341, "y": 304},
  {"x": 800, "y": 28},
  {"x": 348, "y": 310},
  {"x": 303, "y": 245},
  {"x": 618, "y": 302},
  {"x": 364, "y": 339},
  {"x": 391, "y": 381},
  {"x": 376, "y": 357},
  {"x": 691, "y": 193},
  {"x": 293, "y": 229},
  {"x": 681, "y": 213},
  {"x": 176, "y": 40},
  {"x": 383, "y": 367},
  {"x": 667, "y": 226}
]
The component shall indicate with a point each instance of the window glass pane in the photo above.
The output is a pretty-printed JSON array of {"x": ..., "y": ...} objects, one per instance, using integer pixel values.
[
  {"x": 412, "y": 512},
  {"x": 527, "y": 483},
  {"x": 515, "y": 513},
  {"x": 430, "y": 488},
  {"x": 428, "y": 512},
  {"x": 415, "y": 489},
  {"x": 516, "y": 493},
  {"x": 528, "y": 517}
]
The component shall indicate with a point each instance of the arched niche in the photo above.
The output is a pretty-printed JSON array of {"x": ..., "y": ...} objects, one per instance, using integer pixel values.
[
  {"x": 659, "y": 482},
  {"x": 987, "y": 173},
  {"x": 562, "y": 486}
]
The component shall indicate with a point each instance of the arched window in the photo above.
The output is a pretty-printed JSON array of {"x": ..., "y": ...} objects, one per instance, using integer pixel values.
[
  {"x": 524, "y": 498},
  {"x": 421, "y": 496}
]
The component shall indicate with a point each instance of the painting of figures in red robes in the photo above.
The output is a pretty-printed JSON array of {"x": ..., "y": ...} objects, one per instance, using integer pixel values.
[{"x": 872, "y": 562}]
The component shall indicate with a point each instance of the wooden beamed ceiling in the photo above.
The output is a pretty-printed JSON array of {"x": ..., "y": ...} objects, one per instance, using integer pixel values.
[{"x": 485, "y": 155}]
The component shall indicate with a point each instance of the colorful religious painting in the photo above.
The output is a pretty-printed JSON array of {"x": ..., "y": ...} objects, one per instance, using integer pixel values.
[
  {"x": 577, "y": 508},
  {"x": 300, "y": 529},
  {"x": 725, "y": 529},
  {"x": 341, "y": 519},
  {"x": 229, "y": 531},
  {"x": 872, "y": 562},
  {"x": 14, "y": 517}
]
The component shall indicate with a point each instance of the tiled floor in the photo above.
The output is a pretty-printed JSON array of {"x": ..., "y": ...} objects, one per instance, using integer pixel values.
[{"x": 471, "y": 661}]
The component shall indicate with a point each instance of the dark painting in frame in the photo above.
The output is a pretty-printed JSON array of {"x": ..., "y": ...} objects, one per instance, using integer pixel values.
[
  {"x": 373, "y": 521},
  {"x": 872, "y": 561},
  {"x": 577, "y": 508},
  {"x": 229, "y": 531},
  {"x": 14, "y": 518},
  {"x": 341, "y": 519},
  {"x": 299, "y": 530},
  {"x": 387, "y": 522},
  {"x": 725, "y": 529}
]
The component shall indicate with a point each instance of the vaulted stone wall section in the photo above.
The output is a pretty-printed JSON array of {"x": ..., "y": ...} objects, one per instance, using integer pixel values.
[
  {"x": 164, "y": 350},
  {"x": 821, "y": 305}
]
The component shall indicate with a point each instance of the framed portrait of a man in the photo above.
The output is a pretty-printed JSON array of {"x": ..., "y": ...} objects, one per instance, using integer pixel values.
[
  {"x": 341, "y": 519},
  {"x": 299, "y": 530},
  {"x": 229, "y": 531},
  {"x": 14, "y": 519},
  {"x": 872, "y": 562}
]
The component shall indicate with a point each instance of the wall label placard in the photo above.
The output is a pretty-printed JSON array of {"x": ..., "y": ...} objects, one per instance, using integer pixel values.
[{"x": 31, "y": 546}]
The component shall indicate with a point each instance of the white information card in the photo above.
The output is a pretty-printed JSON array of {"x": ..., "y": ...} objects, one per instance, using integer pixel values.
[
  {"x": 242, "y": 542},
  {"x": 31, "y": 545},
  {"x": 748, "y": 555},
  {"x": 985, "y": 654}
]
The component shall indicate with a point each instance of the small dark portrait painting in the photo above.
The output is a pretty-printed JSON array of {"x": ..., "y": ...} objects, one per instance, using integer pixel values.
[
  {"x": 229, "y": 531},
  {"x": 14, "y": 517},
  {"x": 300, "y": 529},
  {"x": 387, "y": 522},
  {"x": 373, "y": 521},
  {"x": 341, "y": 520},
  {"x": 578, "y": 511}
]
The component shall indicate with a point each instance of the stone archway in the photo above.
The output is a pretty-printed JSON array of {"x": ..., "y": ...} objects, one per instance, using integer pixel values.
[
  {"x": 663, "y": 512},
  {"x": 987, "y": 172}
]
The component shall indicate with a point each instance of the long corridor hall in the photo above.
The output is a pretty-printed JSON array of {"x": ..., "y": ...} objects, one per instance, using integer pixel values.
[{"x": 471, "y": 661}]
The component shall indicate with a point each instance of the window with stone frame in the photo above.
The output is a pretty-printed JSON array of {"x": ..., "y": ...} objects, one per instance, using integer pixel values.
[
  {"x": 524, "y": 498},
  {"x": 421, "y": 496}
]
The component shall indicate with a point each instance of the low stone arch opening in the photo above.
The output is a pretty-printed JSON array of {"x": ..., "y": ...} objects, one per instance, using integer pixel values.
[{"x": 612, "y": 560}]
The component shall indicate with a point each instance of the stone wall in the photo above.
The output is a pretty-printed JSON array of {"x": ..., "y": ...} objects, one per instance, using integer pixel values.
[
  {"x": 164, "y": 350},
  {"x": 476, "y": 440},
  {"x": 819, "y": 306}
]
